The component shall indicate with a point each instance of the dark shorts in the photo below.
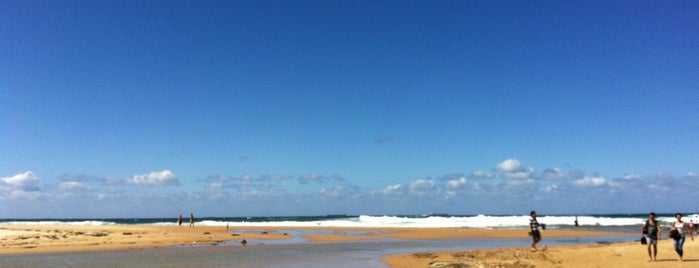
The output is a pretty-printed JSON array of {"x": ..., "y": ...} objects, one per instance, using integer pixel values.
[{"x": 536, "y": 235}]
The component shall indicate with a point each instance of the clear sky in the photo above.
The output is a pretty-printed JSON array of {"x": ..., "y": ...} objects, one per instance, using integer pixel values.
[{"x": 247, "y": 108}]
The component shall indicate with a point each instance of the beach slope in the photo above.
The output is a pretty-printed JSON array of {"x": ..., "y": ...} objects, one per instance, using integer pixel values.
[{"x": 626, "y": 254}]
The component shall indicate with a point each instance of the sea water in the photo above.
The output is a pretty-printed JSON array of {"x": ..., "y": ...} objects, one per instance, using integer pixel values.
[
  {"x": 259, "y": 253},
  {"x": 604, "y": 222}
]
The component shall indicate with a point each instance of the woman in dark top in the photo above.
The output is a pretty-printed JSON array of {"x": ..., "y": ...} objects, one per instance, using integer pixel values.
[{"x": 651, "y": 230}]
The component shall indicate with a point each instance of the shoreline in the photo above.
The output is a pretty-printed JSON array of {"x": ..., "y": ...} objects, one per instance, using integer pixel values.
[{"x": 37, "y": 239}]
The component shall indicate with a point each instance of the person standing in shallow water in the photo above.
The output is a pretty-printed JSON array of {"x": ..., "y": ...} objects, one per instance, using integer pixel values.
[
  {"x": 191, "y": 220},
  {"x": 683, "y": 228},
  {"x": 179, "y": 220},
  {"x": 534, "y": 230},
  {"x": 651, "y": 230}
]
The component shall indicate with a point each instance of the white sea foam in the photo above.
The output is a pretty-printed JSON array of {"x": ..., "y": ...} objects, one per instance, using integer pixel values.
[
  {"x": 442, "y": 221},
  {"x": 479, "y": 221}
]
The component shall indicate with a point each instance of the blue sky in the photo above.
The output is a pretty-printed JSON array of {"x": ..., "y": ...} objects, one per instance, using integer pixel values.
[{"x": 244, "y": 108}]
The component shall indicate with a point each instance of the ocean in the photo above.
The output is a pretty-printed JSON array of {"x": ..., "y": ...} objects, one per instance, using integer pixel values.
[{"x": 608, "y": 222}]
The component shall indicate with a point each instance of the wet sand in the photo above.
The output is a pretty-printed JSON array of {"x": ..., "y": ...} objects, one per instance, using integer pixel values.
[
  {"x": 622, "y": 254},
  {"x": 28, "y": 239},
  {"x": 44, "y": 245}
]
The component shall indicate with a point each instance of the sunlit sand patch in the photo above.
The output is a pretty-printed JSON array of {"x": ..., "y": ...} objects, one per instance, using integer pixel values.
[{"x": 5, "y": 232}]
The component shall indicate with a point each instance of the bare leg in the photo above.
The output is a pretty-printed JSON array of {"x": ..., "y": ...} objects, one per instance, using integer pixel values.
[{"x": 534, "y": 242}]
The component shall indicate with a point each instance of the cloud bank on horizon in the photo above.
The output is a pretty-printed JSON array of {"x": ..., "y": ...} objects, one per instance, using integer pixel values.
[{"x": 508, "y": 188}]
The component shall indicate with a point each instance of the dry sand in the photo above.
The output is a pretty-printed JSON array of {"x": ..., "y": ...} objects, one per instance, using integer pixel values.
[
  {"x": 27, "y": 239},
  {"x": 34, "y": 239},
  {"x": 627, "y": 254}
]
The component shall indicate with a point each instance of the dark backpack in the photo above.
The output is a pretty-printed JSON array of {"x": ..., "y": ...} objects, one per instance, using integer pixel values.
[{"x": 674, "y": 234}]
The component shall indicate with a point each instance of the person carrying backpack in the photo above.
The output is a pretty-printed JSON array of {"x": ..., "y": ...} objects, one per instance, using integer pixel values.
[
  {"x": 682, "y": 228},
  {"x": 651, "y": 231}
]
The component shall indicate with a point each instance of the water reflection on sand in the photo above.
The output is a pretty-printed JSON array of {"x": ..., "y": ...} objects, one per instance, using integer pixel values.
[{"x": 293, "y": 253}]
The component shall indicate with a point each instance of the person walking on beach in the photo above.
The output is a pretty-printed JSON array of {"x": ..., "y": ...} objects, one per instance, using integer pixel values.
[
  {"x": 651, "y": 231},
  {"x": 691, "y": 226},
  {"x": 534, "y": 230},
  {"x": 191, "y": 220},
  {"x": 179, "y": 220},
  {"x": 682, "y": 228}
]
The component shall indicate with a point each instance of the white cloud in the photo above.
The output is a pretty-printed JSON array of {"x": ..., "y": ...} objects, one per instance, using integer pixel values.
[
  {"x": 336, "y": 191},
  {"x": 215, "y": 185},
  {"x": 391, "y": 189},
  {"x": 520, "y": 182},
  {"x": 20, "y": 194},
  {"x": 312, "y": 177},
  {"x": 250, "y": 193},
  {"x": 554, "y": 174},
  {"x": 590, "y": 181},
  {"x": 513, "y": 169},
  {"x": 629, "y": 176},
  {"x": 20, "y": 186},
  {"x": 21, "y": 181},
  {"x": 481, "y": 175},
  {"x": 522, "y": 174},
  {"x": 457, "y": 182},
  {"x": 247, "y": 180},
  {"x": 71, "y": 186},
  {"x": 511, "y": 182},
  {"x": 162, "y": 178},
  {"x": 421, "y": 187},
  {"x": 509, "y": 165},
  {"x": 550, "y": 188},
  {"x": 665, "y": 176}
]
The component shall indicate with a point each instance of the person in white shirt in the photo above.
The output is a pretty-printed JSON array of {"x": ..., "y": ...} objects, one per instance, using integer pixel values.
[{"x": 682, "y": 228}]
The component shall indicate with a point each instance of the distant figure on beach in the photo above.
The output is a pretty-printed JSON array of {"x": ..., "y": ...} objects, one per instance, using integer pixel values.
[
  {"x": 651, "y": 231},
  {"x": 191, "y": 220},
  {"x": 179, "y": 220},
  {"x": 683, "y": 229},
  {"x": 691, "y": 226},
  {"x": 576, "y": 221},
  {"x": 534, "y": 230}
]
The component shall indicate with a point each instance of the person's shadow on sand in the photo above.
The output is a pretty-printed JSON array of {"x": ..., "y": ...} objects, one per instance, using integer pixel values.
[{"x": 675, "y": 260}]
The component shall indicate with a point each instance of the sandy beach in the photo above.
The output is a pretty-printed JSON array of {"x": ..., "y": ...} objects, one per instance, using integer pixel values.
[
  {"x": 626, "y": 254},
  {"x": 38, "y": 239},
  {"x": 27, "y": 239}
]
